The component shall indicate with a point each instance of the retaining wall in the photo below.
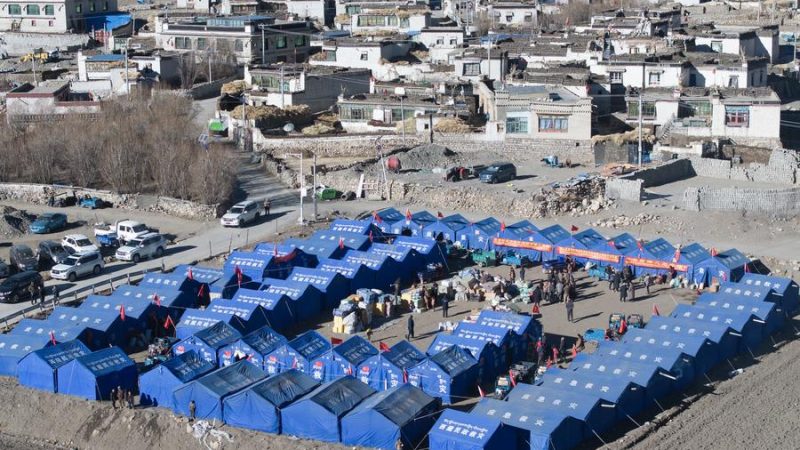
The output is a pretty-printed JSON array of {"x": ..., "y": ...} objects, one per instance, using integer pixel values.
[
  {"x": 625, "y": 189},
  {"x": 775, "y": 201}
]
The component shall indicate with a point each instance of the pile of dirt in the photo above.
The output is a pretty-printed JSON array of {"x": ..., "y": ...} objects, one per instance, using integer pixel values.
[
  {"x": 267, "y": 116},
  {"x": 15, "y": 222},
  {"x": 578, "y": 196},
  {"x": 235, "y": 88},
  {"x": 429, "y": 156},
  {"x": 451, "y": 125}
]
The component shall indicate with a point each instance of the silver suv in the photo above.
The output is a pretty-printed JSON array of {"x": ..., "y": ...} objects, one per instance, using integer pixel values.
[
  {"x": 151, "y": 245},
  {"x": 241, "y": 214},
  {"x": 78, "y": 265}
]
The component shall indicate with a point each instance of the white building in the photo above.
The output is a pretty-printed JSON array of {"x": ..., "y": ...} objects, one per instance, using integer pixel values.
[
  {"x": 513, "y": 14},
  {"x": 441, "y": 42},
  {"x": 398, "y": 20},
  {"x": 357, "y": 53},
  {"x": 149, "y": 69},
  {"x": 59, "y": 16},
  {"x": 475, "y": 64},
  {"x": 48, "y": 101},
  {"x": 744, "y": 40}
]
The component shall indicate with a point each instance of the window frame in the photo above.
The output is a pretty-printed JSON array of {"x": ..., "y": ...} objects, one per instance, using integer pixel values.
[
  {"x": 16, "y": 6},
  {"x": 31, "y": 7},
  {"x": 469, "y": 69},
  {"x": 280, "y": 42},
  {"x": 737, "y": 116},
  {"x": 650, "y": 76},
  {"x": 517, "y": 125},
  {"x": 553, "y": 123},
  {"x": 49, "y": 10}
]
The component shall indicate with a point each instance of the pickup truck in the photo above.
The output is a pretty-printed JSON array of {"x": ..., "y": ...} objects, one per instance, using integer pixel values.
[{"x": 119, "y": 233}]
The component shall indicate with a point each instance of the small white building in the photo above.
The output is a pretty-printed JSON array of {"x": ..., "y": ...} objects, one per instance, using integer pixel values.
[
  {"x": 360, "y": 53},
  {"x": 475, "y": 64},
  {"x": 58, "y": 16},
  {"x": 50, "y": 100},
  {"x": 441, "y": 42},
  {"x": 153, "y": 68},
  {"x": 397, "y": 20},
  {"x": 512, "y": 14},
  {"x": 750, "y": 41}
]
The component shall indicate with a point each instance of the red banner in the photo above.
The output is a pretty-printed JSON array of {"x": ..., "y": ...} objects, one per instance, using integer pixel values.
[
  {"x": 655, "y": 264},
  {"x": 527, "y": 245},
  {"x": 588, "y": 254}
]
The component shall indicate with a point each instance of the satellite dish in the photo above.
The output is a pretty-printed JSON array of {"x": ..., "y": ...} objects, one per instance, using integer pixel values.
[{"x": 289, "y": 127}]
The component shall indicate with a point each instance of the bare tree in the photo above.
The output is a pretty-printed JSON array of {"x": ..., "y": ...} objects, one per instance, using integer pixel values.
[
  {"x": 214, "y": 175},
  {"x": 187, "y": 70}
]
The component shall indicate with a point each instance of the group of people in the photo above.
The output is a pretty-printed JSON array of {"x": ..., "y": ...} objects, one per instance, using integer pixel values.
[
  {"x": 559, "y": 286},
  {"x": 121, "y": 398},
  {"x": 622, "y": 281},
  {"x": 558, "y": 353}
]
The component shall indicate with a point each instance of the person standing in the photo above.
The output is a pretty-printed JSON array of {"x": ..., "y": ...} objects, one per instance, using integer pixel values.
[
  {"x": 617, "y": 279},
  {"x": 120, "y": 397},
  {"x": 129, "y": 398},
  {"x": 192, "y": 410},
  {"x": 559, "y": 291},
  {"x": 445, "y": 305},
  {"x": 522, "y": 273},
  {"x": 410, "y": 327},
  {"x": 633, "y": 289},
  {"x": 113, "y": 396},
  {"x": 539, "y": 353},
  {"x": 512, "y": 275},
  {"x": 267, "y": 207},
  {"x": 623, "y": 292},
  {"x": 648, "y": 281},
  {"x": 570, "y": 305}
]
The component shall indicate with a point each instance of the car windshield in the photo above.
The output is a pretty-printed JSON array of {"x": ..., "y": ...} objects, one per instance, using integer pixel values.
[
  {"x": 139, "y": 228},
  {"x": 25, "y": 252},
  {"x": 85, "y": 242},
  {"x": 236, "y": 210},
  {"x": 46, "y": 217},
  {"x": 71, "y": 261},
  {"x": 492, "y": 169},
  {"x": 134, "y": 242}
]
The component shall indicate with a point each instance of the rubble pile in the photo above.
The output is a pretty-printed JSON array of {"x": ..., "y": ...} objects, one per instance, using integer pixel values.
[
  {"x": 429, "y": 156},
  {"x": 623, "y": 221},
  {"x": 15, "y": 222},
  {"x": 577, "y": 197}
]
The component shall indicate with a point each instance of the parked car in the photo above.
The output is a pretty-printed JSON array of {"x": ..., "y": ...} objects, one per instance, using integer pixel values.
[
  {"x": 78, "y": 265},
  {"x": 17, "y": 287},
  {"x": 150, "y": 245},
  {"x": 78, "y": 243},
  {"x": 119, "y": 233},
  {"x": 22, "y": 258},
  {"x": 50, "y": 254},
  {"x": 48, "y": 223},
  {"x": 93, "y": 203},
  {"x": 241, "y": 214},
  {"x": 4, "y": 269},
  {"x": 498, "y": 173}
]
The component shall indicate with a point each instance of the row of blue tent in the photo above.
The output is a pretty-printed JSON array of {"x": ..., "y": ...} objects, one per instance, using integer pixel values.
[
  {"x": 625, "y": 378},
  {"x": 698, "y": 264}
]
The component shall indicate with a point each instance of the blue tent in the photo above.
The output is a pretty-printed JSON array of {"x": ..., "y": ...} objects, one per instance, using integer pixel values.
[
  {"x": 259, "y": 407},
  {"x": 357, "y": 275},
  {"x": 726, "y": 342},
  {"x": 783, "y": 291},
  {"x": 742, "y": 292},
  {"x": 625, "y": 244},
  {"x": 648, "y": 376},
  {"x": 446, "y": 228},
  {"x": 456, "y": 430},
  {"x": 210, "y": 390},
  {"x": 390, "y": 369},
  {"x": 333, "y": 286},
  {"x": 305, "y": 300},
  {"x": 39, "y": 369},
  {"x": 384, "y": 218},
  {"x": 726, "y": 266},
  {"x": 479, "y": 235},
  {"x": 450, "y": 374},
  {"x": 485, "y": 353},
  {"x": 538, "y": 428},
  {"x": 432, "y": 252},
  {"x": 659, "y": 250},
  {"x": 414, "y": 227},
  {"x": 207, "y": 342},
  {"x": 364, "y": 227},
  {"x": 404, "y": 413},
  {"x": 206, "y": 275},
  {"x": 699, "y": 348},
  {"x": 500, "y": 337},
  {"x": 251, "y": 315},
  {"x": 93, "y": 376},
  {"x": 351, "y": 241},
  {"x": 257, "y": 347},
  {"x": 156, "y": 386},
  {"x": 690, "y": 258},
  {"x": 15, "y": 347},
  {"x": 525, "y": 239},
  {"x": 318, "y": 414},
  {"x": 347, "y": 358},
  {"x": 141, "y": 310},
  {"x": 173, "y": 301},
  {"x": 107, "y": 327},
  {"x": 194, "y": 320},
  {"x": 383, "y": 268},
  {"x": 628, "y": 398},
  {"x": 750, "y": 327},
  {"x": 524, "y": 329},
  {"x": 589, "y": 409},
  {"x": 409, "y": 261},
  {"x": 286, "y": 254},
  {"x": 154, "y": 281},
  {"x": 553, "y": 236},
  {"x": 679, "y": 364},
  {"x": 254, "y": 266},
  {"x": 63, "y": 332},
  {"x": 275, "y": 307},
  {"x": 767, "y": 312},
  {"x": 309, "y": 353},
  {"x": 318, "y": 249},
  {"x": 589, "y": 246}
]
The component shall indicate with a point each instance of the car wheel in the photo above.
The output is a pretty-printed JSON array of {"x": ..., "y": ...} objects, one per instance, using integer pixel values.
[
  {"x": 72, "y": 277},
  {"x": 159, "y": 252},
  {"x": 136, "y": 258},
  {"x": 96, "y": 270},
  {"x": 13, "y": 298},
  {"x": 239, "y": 223}
]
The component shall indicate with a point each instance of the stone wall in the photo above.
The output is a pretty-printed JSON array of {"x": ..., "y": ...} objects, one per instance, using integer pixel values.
[
  {"x": 18, "y": 44},
  {"x": 211, "y": 89},
  {"x": 40, "y": 193},
  {"x": 671, "y": 171},
  {"x": 774, "y": 201},
  {"x": 625, "y": 189},
  {"x": 781, "y": 169},
  {"x": 354, "y": 146},
  {"x": 579, "y": 151}
]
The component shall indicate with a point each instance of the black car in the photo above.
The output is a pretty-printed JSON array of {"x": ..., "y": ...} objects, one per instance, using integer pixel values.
[
  {"x": 18, "y": 287},
  {"x": 498, "y": 173},
  {"x": 50, "y": 254},
  {"x": 22, "y": 258}
]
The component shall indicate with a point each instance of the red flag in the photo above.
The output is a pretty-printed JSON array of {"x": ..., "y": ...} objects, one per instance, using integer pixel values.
[
  {"x": 294, "y": 363},
  {"x": 480, "y": 391},
  {"x": 370, "y": 235},
  {"x": 275, "y": 249},
  {"x": 53, "y": 337},
  {"x": 513, "y": 379},
  {"x": 168, "y": 323},
  {"x": 341, "y": 243},
  {"x": 201, "y": 292},
  {"x": 713, "y": 251},
  {"x": 156, "y": 299},
  {"x": 623, "y": 327},
  {"x": 574, "y": 351},
  {"x": 656, "y": 312},
  {"x": 335, "y": 341},
  {"x": 190, "y": 274},
  {"x": 122, "y": 312},
  {"x": 238, "y": 272},
  {"x": 573, "y": 228},
  {"x": 405, "y": 376},
  {"x": 555, "y": 354},
  {"x": 439, "y": 215},
  {"x": 677, "y": 256},
  {"x": 376, "y": 217},
  {"x": 349, "y": 370},
  {"x": 408, "y": 214},
  {"x": 383, "y": 347},
  {"x": 612, "y": 244},
  {"x": 640, "y": 244},
  {"x": 747, "y": 268},
  {"x": 502, "y": 226},
  {"x": 535, "y": 309}
]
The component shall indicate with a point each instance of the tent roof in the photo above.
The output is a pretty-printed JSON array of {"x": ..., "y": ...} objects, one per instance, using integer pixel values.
[
  {"x": 478, "y": 332},
  {"x": 134, "y": 306},
  {"x": 285, "y": 387},
  {"x": 352, "y": 226},
  {"x": 713, "y": 331},
  {"x": 264, "y": 340},
  {"x": 239, "y": 309},
  {"x": 268, "y": 248},
  {"x": 741, "y": 291},
  {"x": 105, "y": 361},
  {"x": 663, "y": 356},
  {"x": 736, "y": 320},
  {"x": 187, "y": 366},
  {"x": 590, "y": 238},
  {"x": 316, "y": 277},
  {"x": 63, "y": 352},
  {"x": 369, "y": 259},
  {"x": 555, "y": 234},
  {"x": 607, "y": 387},
  {"x": 340, "y": 395},
  {"x": 625, "y": 243},
  {"x": 540, "y": 421},
  {"x": 479, "y": 428},
  {"x": 231, "y": 378},
  {"x": 206, "y": 275},
  {"x": 444, "y": 341},
  {"x": 393, "y": 251},
  {"x": 267, "y": 300},
  {"x": 323, "y": 249},
  {"x": 98, "y": 320},
  {"x": 778, "y": 284},
  {"x": 420, "y": 244},
  {"x": 656, "y": 338},
  {"x": 248, "y": 262},
  {"x": 578, "y": 403},
  {"x": 292, "y": 289},
  {"x": 355, "y": 350},
  {"x": 390, "y": 215},
  {"x": 310, "y": 344},
  {"x": 352, "y": 240},
  {"x": 636, "y": 372},
  {"x": 404, "y": 355},
  {"x": 454, "y": 221},
  {"x": 21, "y": 344},
  {"x": 732, "y": 258},
  {"x": 518, "y": 323},
  {"x": 523, "y": 225},
  {"x": 167, "y": 296},
  {"x": 400, "y": 404},
  {"x": 202, "y": 318},
  {"x": 344, "y": 268},
  {"x": 489, "y": 225},
  {"x": 694, "y": 253},
  {"x": 660, "y": 248},
  {"x": 153, "y": 280},
  {"x": 218, "y": 335},
  {"x": 454, "y": 360},
  {"x": 730, "y": 303}
]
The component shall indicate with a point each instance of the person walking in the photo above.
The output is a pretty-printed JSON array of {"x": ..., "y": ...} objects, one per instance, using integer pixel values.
[
  {"x": 512, "y": 275},
  {"x": 570, "y": 305},
  {"x": 539, "y": 353},
  {"x": 610, "y": 277},
  {"x": 623, "y": 292},
  {"x": 42, "y": 295},
  {"x": 648, "y": 281},
  {"x": 410, "y": 327},
  {"x": 120, "y": 397},
  {"x": 617, "y": 280},
  {"x": 55, "y": 295},
  {"x": 267, "y": 207},
  {"x": 192, "y": 410},
  {"x": 113, "y": 396},
  {"x": 559, "y": 291},
  {"x": 633, "y": 289},
  {"x": 522, "y": 273},
  {"x": 129, "y": 398},
  {"x": 445, "y": 305},
  {"x": 34, "y": 292}
]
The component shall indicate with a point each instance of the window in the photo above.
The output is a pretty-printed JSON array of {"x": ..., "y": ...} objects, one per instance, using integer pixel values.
[
  {"x": 329, "y": 55},
  {"x": 733, "y": 81},
  {"x": 32, "y": 10},
  {"x": 472, "y": 69},
  {"x": 91, "y": 7},
  {"x": 33, "y": 23},
  {"x": 716, "y": 46},
  {"x": 372, "y": 21},
  {"x": 78, "y": 8},
  {"x": 528, "y": 17},
  {"x": 737, "y": 116},
  {"x": 238, "y": 45},
  {"x": 50, "y": 23},
  {"x": 14, "y": 10},
  {"x": 280, "y": 42},
  {"x": 183, "y": 42},
  {"x": 400, "y": 114},
  {"x": 202, "y": 43},
  {"x": 553, "y": 124},
  {"x": 509, "y": 18},
  {"x": 351, "y": 10},
  {"x": 392, "y": 22},
  {"x": 440, "y": 41},
  {"x": 364, "y": 56},
  {"x": 355, "y": 112},
  {"x": 654, "y": 78},
  {"x": 453, "y": 41},
  {"x": 49, "y": 10},
  {"x": 615, "y": 77},
  {"x": 404, "y": 22},
  {"x": 649, "y": 109},
  {"x": 516, "y": 125},
  {"x": 299, "y": 41},
  {"x": 695, "y": 108}
]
